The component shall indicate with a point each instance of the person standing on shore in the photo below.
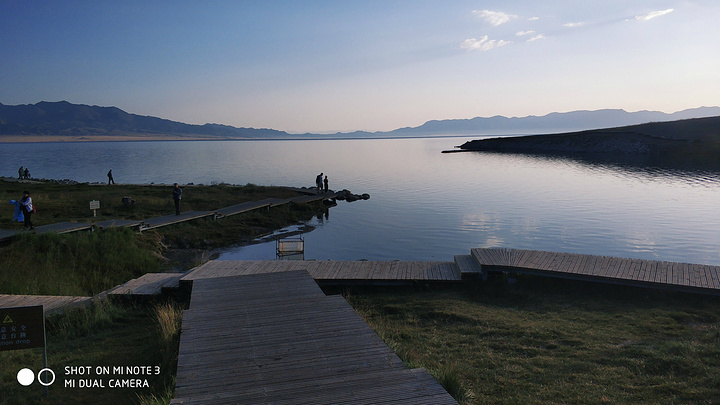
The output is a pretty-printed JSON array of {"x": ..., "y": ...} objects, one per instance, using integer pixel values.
[
  {"x": 177, "y": 196},
  {"x": 319, "y": 182},
  {"x": 110, "y": 178},
  {"x": 26, "y": 173},
  {"x": 26, "y": 202},
  {"x": 326, "y": 184},
  {"x": 20, "y": 173}
]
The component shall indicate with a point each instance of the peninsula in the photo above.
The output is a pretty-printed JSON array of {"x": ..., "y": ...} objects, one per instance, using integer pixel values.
[{"x": 694, "y": 141}]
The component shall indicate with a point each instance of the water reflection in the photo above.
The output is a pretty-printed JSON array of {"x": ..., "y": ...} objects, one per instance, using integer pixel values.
[{"x": 699, "y": 172}]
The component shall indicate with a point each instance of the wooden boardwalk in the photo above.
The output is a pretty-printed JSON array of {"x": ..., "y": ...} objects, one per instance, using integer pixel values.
[
  {"x": 371, "y": 272},
  {"x": 51, "y": 304},
  {"x": 687, "y": 277},
  {"x": 148, "y": 284},
  {"x": 275, "y": 338},
  {"x": 153, "y": 223}
]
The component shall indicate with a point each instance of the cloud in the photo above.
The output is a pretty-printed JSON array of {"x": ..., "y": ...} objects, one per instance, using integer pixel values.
[
  {"x": 574, "y": 25},
  {"x": 536, "y": 37},
  {"x": 651, "y": 15},
  {"x": 482, "y": 44},
  {"x": 523, "y": 33},
  {"x": 533, "y": 18},
  {"x": 494, "y": 18}
]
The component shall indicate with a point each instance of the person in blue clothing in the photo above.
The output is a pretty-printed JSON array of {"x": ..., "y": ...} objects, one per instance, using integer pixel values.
[
  {"x": 177, "y": 196},
  {"x": 18, "y": 214},
  {"x": 26, "y": 202}
]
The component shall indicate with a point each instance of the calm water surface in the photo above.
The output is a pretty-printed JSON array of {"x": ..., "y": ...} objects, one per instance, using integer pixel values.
[{"x": 425, "y": 205}]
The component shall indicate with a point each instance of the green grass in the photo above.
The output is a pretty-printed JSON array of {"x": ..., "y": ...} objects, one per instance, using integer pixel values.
[
  {"x": 105, "y": 335},
  {"x": 555, "y": 342},
  {"x": 81, "y": 264}
]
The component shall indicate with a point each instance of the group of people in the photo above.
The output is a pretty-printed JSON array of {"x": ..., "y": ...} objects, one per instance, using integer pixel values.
[
  {"x": 322, "y": 184},
  {"x": 23, "y": 173}
]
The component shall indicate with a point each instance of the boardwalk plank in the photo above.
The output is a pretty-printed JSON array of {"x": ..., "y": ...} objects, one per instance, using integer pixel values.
[
  {"x": 269, "y": 345},
  {"x": 671, "y": 275}
]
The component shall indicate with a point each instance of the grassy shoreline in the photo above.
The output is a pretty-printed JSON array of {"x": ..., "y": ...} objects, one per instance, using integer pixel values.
[{"x": 554, "y": 341}]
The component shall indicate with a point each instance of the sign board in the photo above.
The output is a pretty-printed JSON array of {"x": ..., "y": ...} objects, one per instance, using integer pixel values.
[
  {"x": 22, "y": 328},
  {"x": 94, "y": 205}
]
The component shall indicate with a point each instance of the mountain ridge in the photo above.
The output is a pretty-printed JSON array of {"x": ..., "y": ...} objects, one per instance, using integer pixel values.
[{"x": 79, "y": 121}]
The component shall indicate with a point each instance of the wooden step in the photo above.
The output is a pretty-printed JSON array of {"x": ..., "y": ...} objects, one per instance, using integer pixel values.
[{"x": 469, "y": 267}]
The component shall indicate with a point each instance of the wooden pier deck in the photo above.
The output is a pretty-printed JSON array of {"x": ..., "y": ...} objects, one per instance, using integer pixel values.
[
  {"x": 370, "y": 272},
  {"x": 51, "y": 304},
  {"x": 697, "y": 278},
  {"x": 276, "y": 338}
]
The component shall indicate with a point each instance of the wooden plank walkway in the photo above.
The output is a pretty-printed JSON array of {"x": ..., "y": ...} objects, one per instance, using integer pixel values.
[
  {"x": 51, "y": 304},
  {"x": 8, "y": 233},
  {"x": 275, "y": 338},
  {"x": 119, "y": 223},
  {"x": 64, "y": 227},
  {"x": 243, "y": 207},
  {"x": 148, "y": 284},
  {"x": 174, "y": 219},
  {"x": 687, "y": 277},
  {"x": 380, "y": 272}
]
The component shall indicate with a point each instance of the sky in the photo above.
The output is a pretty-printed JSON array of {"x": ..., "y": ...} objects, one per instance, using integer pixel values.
[{"x": 329, "y": 66}]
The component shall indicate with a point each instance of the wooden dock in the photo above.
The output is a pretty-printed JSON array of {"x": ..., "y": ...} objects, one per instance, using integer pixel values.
[
  {"x": 328, "y": 272},
  {"x": 276, "y": 338},
  {"x": 696, "y": 278}
]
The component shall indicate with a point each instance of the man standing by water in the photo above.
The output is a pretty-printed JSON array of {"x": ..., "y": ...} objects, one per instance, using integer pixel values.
[
  {"x": 319, "y": 182},
  {"x": 110, "y": 178},
  {"x": 177, "y": 196}
]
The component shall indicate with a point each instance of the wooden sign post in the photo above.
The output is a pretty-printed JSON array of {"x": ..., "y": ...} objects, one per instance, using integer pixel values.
[{"x": 94, "y": 206}]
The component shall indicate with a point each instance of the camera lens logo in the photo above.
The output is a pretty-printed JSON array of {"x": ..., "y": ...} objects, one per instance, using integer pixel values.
[{"x": 26, "y": 377}]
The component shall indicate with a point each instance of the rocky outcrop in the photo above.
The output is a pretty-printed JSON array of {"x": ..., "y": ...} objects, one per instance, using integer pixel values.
[{"x": 346, "y": 195}]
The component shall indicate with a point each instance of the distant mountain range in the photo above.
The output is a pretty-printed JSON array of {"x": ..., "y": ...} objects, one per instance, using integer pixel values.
[{"x": 76, "y": 121}]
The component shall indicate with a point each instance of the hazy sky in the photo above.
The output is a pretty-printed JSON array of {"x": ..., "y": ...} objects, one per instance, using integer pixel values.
[{"x": 322, "y": 66}]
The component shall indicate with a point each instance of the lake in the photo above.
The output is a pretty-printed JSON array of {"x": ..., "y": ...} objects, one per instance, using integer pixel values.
[{"x": 425, "y": 205}]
